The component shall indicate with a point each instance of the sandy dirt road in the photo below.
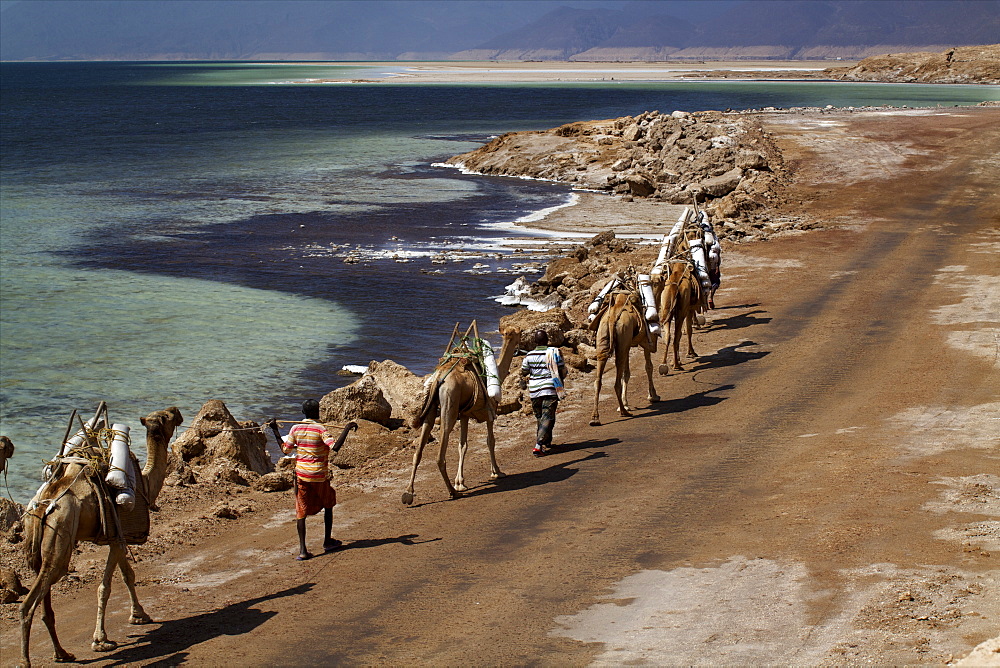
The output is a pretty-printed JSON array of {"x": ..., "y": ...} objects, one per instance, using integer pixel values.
[{"x": 821, "y": 486}]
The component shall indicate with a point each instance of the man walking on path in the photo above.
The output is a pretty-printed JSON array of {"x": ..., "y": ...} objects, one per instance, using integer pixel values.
[
  {"x": 545, "y": 372},
  {"x": 313, "y": 491}
]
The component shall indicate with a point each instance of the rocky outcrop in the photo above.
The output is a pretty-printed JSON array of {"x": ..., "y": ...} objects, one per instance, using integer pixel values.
[
  {"x": 726, "y": 161},
  {"x": 361, "y": 400},
  {"x": 967, "y": 64},
  {"x": 370, "y": 442},
  {"x": 554, "y": 322},
  {"x": 573, "y": 281},
  {"x": 10, "y": 512},
  {"x": 235, "y": 450},
  {"x": 11, "y": 588},
  {"x": 401, "y": 388},
  {"x": 276, "y": 481}
]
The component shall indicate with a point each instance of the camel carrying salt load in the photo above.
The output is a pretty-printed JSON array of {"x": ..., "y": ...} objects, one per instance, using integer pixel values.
[
  {"x": 693, "y": 240},
  {"x": 104, "y": 450},
  {"x": 76, "y": 504},
  {"x": 465, "y": 385},
  {"x": 713, "y": 250},
  {"x": 640, "y": 289}
]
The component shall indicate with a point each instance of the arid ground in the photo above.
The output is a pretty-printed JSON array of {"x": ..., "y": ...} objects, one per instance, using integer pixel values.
[{"x": 821, "y": 486}]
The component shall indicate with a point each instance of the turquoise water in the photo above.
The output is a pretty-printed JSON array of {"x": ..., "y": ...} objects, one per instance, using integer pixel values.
[
  {"x": 257, "y": 74},
  {"x": 174, "y": 233}
]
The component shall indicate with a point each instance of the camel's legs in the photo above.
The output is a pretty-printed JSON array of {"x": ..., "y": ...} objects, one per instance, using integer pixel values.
[
  {"x": 667, "y": 304},
  {"x": 425, "y": 435},
  {"x": 664, "y": 367},
  {"x": 691, "y": 352},
  {"x": 116, "y": 558},
  {"x": 622, "y": 373},
  {"x": 449, "y": 415},
  {"x": 679, "y": 323},
  {"x": 595, "y": 419},
  {"x": 101, "y": 642},
  {"x": 48, "y": 575},
  {"x": 138, "y": 615},
  {"x": 49, "y": 617},
  {"x": 491, "y": 445},
  {"x": 653, "y": 396},
  {"x": 463, "y": 447},
  {"x": 56, "y": 546}
]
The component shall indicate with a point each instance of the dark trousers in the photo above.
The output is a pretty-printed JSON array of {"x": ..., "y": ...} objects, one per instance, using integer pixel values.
[{"x": 545, "y": 414}]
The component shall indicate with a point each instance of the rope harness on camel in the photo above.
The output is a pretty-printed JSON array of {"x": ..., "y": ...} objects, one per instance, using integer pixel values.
[
  {"x": 91, "y": 450},
  {"x": 469, "y": 351}
]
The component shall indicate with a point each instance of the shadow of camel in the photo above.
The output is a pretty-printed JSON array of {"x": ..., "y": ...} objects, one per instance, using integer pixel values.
[
  {"x": 736, "y": 321},
  {"x": 165, "y": 645},
  {"x": 681, "y": 404},
  {"x": 723, "y": 357},
  {"x": 557, "y": 473},
  {"x": 728, "y": 356},
  {"x": 407, "y": 539},
  {"x": 735, "y": 306}
]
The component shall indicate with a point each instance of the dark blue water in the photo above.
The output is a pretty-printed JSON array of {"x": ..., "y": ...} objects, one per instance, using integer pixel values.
[{"x": 173, "y": 233}]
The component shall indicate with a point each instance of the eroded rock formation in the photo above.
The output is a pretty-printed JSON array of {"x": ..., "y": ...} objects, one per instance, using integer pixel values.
[
  {"x": 725, "y": 160},
  {"x": 228, "y": 449},
  {"x": 965, "y": 64}
]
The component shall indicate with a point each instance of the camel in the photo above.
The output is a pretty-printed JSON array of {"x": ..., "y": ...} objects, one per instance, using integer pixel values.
[
  {"x": 6, "y": 452},
  {"x": 679, "y": 299},
  {"x": 68, "y": 511},
  {"x": 620, "y": 327},
  {"x": 691, "y": 248},
  {"x": 457, "y": 393},
  {"x": 693, "y": 239},
  {"x": 713, "y": 257}
]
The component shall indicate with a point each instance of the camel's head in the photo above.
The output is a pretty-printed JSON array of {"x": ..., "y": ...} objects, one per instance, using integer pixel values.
[
  {"x": 161, "y": 424},
  {"x": 510, "y": 332},
  {"x": 657, "y": 279},
  {"x": 6, "y": 451}
]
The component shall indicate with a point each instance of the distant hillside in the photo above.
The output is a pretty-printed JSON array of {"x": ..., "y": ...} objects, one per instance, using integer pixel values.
[
  {"x": 575, "y": 34},
  {"x": 849, "y": 29},
  {"x": 282, "y": 29},
  {"x": 971, "y": 64},
  {"x": 606, "y": 30},
  {"x": 761, "y": 29}
]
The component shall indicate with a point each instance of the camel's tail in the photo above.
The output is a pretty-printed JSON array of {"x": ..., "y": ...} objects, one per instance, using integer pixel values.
[
  {"x": 614, "y": 312},
  {"x": 430, "y": 405},
  {"x": 33, "y": 527},
  {"x": 668, "y": 303}
]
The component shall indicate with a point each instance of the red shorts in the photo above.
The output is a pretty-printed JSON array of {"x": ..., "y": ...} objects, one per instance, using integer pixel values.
[{"x": 313, "y": 497}]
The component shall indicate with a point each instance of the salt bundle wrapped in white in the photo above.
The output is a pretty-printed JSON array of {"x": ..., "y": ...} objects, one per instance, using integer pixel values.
[
  {"x": 595, "y": 305},
  {"x": 492, "y": 372},
  {"x": 122, "y": 473},
  {"x": 649, "y": 304}
]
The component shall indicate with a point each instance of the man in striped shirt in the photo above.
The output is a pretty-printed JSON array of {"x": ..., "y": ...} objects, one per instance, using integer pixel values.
[
  {"x": 313, "y": 491},
  {"x": 545, "y": 372}
]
